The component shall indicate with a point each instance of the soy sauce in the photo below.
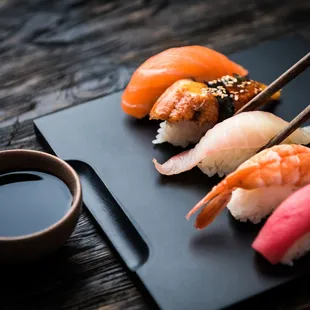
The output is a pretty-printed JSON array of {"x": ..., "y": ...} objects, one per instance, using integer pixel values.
[{"x": 31, "y": 201}]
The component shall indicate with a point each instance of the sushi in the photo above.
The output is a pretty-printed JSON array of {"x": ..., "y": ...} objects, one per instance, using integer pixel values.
[
  {"x": 229, "y": 143},
  {"x": 160, "y": 71},
  {"x": 285, "y": 236},
  {"x": 189, "y": 109},
  {"x": 270, "y": 177}
]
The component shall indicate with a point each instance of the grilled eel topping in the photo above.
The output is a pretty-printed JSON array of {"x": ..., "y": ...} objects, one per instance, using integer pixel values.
[{"x": 206, "y": 102}]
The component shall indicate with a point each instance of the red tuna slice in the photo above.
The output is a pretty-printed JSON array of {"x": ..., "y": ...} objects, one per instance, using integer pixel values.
[{"x": 289, "y": 222}]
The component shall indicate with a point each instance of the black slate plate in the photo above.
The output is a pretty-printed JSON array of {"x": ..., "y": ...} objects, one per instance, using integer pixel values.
[{"x": 143, "y": 213}]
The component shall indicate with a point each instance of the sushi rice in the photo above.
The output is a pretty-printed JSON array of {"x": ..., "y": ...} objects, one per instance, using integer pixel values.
[
  {"x": 300, "y": 248},
  {"x": 181, "y": 133},
  {"x": 257, "y": 203},
  {"x": 223, "y": 162}
]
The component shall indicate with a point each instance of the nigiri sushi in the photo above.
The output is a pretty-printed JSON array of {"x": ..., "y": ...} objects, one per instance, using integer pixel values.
[
  {"x": 285, "y": 236},
  {"x": 160, "y": 71},
  {"x": 270, "y": 177},
  {"x": 189, "y": 109},
  {"x": 229, "y": 143}
]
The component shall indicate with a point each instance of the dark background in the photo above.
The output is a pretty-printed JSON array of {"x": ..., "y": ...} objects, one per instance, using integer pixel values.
[{"x": 55, "y": 54}]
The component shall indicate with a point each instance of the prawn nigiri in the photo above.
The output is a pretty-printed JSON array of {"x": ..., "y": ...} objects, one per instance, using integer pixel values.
[
  {"x": 285, "y": 236},
  {"x": 229, "y": 143},
  {"x": 160, "y": 71},
  {"x": 189, "y": 109},
  {"x": 258, "y": 186}
]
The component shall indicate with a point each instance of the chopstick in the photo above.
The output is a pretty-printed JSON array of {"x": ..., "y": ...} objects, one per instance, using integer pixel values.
[
  {"x": 301, "y": 118},
  {"x": 277, "y": 84}
]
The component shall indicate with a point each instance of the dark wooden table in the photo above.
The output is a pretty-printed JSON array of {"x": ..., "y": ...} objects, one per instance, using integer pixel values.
[{"x": 55, "y": 54}]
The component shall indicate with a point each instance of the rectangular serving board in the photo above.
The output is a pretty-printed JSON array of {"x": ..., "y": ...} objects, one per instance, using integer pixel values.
[{"x": 143, "y": 213}]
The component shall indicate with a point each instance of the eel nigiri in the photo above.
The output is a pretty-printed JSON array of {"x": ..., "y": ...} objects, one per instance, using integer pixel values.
[
  {"x": 160, "y": 71},
  {"x": 189, "y": 109},
  {"x": 285, "y": 236},
  {"x": 270, "y": 177},
  {"x": 229, "y": 143}
]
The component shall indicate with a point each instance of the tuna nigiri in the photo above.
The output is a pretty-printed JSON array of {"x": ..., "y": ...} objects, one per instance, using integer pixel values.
[
  {"x": 275, "y": 172},
  {"x": 285, "y": 236},
  {"x": 229, "y": 143},
  {"x": 160, "y": 71},
  {"x": 189, "y": 109}
]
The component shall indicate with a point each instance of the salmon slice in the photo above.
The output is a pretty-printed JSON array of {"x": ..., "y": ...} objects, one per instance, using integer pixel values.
[{"x": 160, "y": 71}]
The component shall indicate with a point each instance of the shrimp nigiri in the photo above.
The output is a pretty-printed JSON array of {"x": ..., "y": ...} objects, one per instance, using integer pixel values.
[
  {"x": 285, "y": 236},
  {"x": 189, "y": 109},
  {"x": 160, "y": 71},
  {"x": 258, "y": 186},
  {"x": 229, "y": 143}
]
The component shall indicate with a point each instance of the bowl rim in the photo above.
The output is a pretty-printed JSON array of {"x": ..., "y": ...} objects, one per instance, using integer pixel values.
[{"x": 76, "y": 197}]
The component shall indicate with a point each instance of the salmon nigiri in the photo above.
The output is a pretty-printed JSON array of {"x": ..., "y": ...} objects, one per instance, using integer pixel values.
[
  {"x": 285, "y": 236},
  {"x": 189, "y": 109},
  {"x": 160, "y": 71},
  {"x": 258, "y": 186}
]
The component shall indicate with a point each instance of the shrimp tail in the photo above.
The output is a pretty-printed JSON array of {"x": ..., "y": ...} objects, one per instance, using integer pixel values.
[
  {"x": 212, "y": 210},
  {"x": 218, "y": 198},
  {"x": 216, "y": 191}
]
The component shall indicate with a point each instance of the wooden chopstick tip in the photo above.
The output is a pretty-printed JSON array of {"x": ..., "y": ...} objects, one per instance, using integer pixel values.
[
  {"x": 274, "y": 89},
  {"x": 299, "y": 120}
]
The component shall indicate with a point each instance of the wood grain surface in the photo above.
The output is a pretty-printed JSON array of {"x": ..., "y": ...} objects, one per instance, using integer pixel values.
[{"x": 55, "y": 54}]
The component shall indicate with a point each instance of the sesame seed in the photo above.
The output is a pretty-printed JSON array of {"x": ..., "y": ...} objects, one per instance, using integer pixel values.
[
  {"x": 249, "y": 83},
  {"x": 231, "y": 96},
  {"x": 236, "y": 97},
  {"x": 241, "y": 90}
]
